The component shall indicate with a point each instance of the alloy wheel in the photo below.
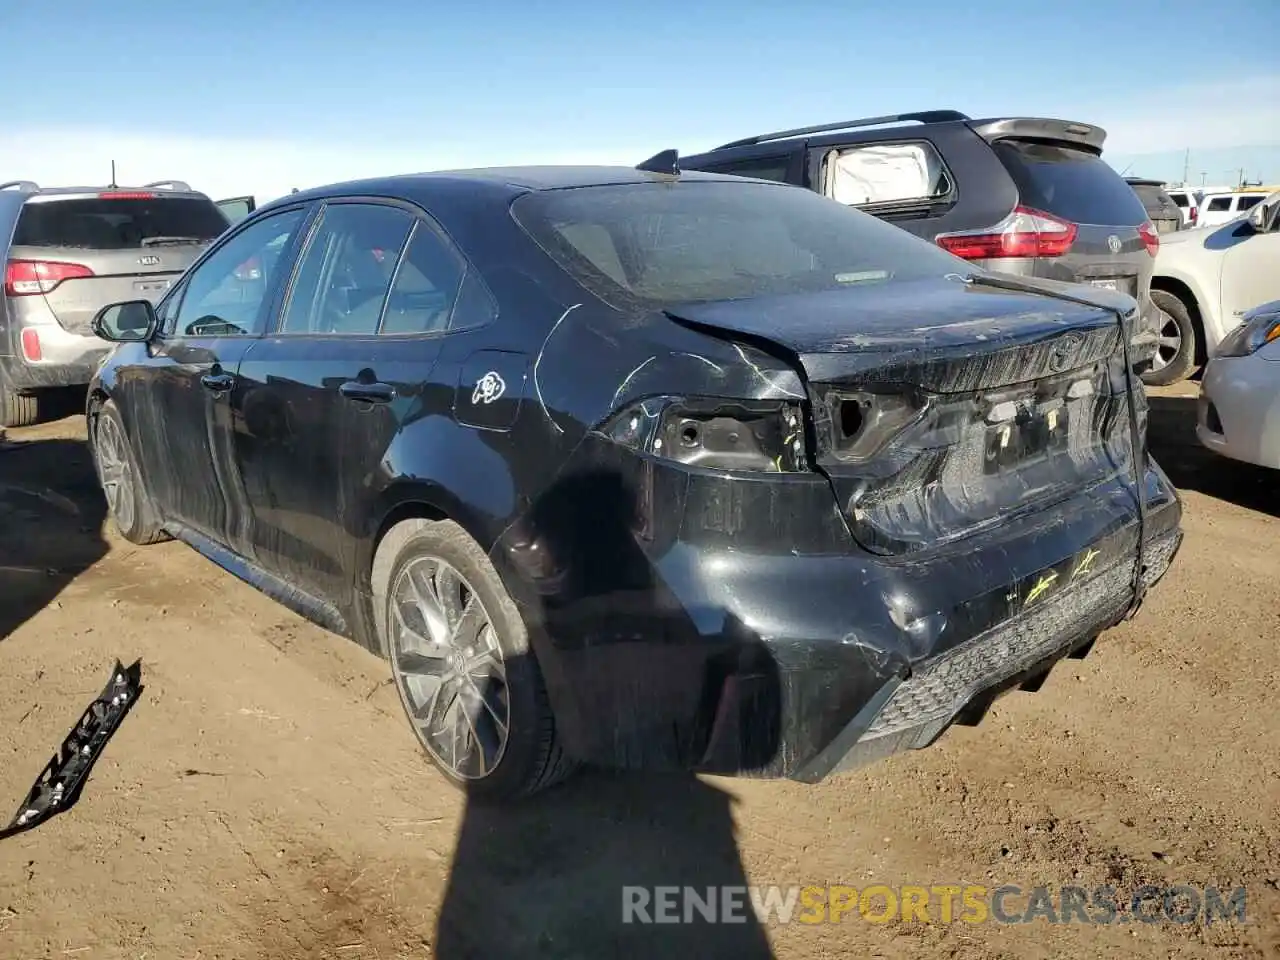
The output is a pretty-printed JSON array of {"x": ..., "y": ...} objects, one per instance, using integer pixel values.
[
  {"x": 116, "y": 471},
  {"x": 1168, "y": 343},
  {"x": 449, "y": 668}
]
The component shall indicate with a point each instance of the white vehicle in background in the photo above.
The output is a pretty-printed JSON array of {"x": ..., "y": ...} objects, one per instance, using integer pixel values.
[
  {"x": 1239, "y": 409},
  {"x": 1203, "y": 282},
  {"x": 1187, "y": 202},
  {"x": 1218, "y": 208}
]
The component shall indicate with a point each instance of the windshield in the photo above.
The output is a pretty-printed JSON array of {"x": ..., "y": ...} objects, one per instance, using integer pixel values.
[{"x": 699, "y": 240}]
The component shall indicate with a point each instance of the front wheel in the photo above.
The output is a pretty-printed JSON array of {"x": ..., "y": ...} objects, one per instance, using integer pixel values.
[
  {"x": 462, "y": 665},
  {"x": 1175, "y": 357}
]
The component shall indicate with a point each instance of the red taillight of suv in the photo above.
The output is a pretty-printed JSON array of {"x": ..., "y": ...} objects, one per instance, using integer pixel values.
[
  {"x": 23, "y": 278},
  {"x": 1193, "y": 216},
  {"x": 1150, "y": 239},
  {"x": 1023, "y": 233}
]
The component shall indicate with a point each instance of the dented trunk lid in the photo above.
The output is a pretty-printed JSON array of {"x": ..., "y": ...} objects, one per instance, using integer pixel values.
[{"x": 941, "y": 408}]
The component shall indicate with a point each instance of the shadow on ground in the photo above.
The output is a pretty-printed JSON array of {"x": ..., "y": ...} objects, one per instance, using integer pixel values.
[
  {"x": 1172, "y": 437},
  {"x": 549, "y": 876},
  {"x": 51, "y": 514}
]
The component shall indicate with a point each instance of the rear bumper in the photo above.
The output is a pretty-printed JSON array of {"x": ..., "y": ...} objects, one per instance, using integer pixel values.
[
  {"x": 731, "y": 626},
  {"x": 66, "y": 359}
]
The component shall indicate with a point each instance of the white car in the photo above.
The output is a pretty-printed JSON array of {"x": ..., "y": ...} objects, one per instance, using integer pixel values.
[
  {"x": 1239, "y": 409},
  {"x": 1203, "y": 282},
  {"x": 1217, "y": 208},
  {"x": 1188, "y": 204}
]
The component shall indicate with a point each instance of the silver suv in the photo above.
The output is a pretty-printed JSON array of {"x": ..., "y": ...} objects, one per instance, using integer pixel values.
[{"x": 69, "y": 251}]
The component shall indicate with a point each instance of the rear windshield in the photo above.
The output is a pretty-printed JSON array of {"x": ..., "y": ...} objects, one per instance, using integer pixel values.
[
  {"x": 1155, "y": 200},
  {"x": 1073, "y": 184},
  {"x": 665, "y": 243},
  {"x": 118, "y": 224},
  {"x": 1179, "y": 198}
]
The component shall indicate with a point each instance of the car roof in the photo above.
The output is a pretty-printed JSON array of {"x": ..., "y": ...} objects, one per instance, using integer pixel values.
[{"x": 33, "y": 191}]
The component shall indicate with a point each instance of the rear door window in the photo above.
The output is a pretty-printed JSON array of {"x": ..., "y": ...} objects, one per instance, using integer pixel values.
[
  {"x": 1070, "y": 183},
  {"x": 1248, "y": 203},
  {"x": 118, "y": 222},
  {"x": 347, "y": 270}
]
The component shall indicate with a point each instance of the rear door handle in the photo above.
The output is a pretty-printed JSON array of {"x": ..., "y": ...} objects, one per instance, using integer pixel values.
[
  {"x": 368, "y": 392},
  {"x": 218, "y": 382}
]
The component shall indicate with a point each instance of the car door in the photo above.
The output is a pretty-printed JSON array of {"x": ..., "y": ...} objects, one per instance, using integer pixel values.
[
  {"x": 207, "y": 323},
  {"x": 326, "y": 393},
  {"x": 1251, "y": 267}
]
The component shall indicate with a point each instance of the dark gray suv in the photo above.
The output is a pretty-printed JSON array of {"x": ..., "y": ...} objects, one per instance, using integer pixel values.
[
  {"x": 67, "y": 252},
  {"x": 1019, "y": 195}
]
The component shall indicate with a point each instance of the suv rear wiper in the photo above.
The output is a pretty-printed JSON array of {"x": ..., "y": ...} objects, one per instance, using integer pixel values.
[{"x": 169, "y": 241}]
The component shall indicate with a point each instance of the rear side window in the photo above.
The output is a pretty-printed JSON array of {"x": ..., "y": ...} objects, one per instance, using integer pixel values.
[
  {"x": 1070, "y": 183},
  {"x": 660, "y": 244},
  {"x": 1248, "y": 203},
  {"x": 112, "y": 223},
  {"x": 886, "y": 173},
  {"x": 1218, "y": 204},
  {"x": 761, "y": 168}
]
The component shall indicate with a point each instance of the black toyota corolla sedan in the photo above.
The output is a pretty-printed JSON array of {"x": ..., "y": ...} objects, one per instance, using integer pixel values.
[{"x": 642, "y": 468}]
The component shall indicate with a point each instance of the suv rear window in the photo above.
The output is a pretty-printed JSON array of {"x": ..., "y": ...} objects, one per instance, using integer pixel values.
[
  {"x": 1070, "y": 183},
  {"x": 661, "y": 243},
  {"x": 109, "y": 223}
]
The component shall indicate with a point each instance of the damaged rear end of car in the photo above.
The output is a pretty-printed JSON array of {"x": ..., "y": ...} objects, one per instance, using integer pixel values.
[{"x": 888, "y": 492}]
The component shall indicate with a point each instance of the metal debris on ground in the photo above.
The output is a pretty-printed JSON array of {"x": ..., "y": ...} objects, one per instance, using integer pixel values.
[{"x": 59, "y": 784}]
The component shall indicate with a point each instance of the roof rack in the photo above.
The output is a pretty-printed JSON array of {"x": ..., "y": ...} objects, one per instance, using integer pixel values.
[
  {"x": 26, "y": 186},
  {"x": 180, "y": 185},
  {"x": 925, "y": 116}
]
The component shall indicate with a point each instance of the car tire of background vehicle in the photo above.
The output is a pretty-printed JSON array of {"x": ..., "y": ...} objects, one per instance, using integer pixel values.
[
  {"x": 1182, "y": 365},
  {"x": 16, "y": 409},
  {"x": 128, "y": 502},
  {"x": 462, "y": 665}
]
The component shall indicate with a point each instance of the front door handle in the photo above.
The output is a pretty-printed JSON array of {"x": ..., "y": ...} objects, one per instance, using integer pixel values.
[
  {"x": 218, "y": 382},
  {"x": 368, "y": 392}
]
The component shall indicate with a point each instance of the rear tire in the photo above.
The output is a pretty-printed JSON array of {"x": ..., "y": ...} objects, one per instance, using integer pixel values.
[
  {"x": 1174, "y": 361},
  {"x": 17, "y": 409},
  {"x": 128, "y": 502},
  {"x": 462, "y": 665}
]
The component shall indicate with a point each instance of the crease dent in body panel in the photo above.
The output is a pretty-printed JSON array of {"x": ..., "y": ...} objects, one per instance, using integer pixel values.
[
  {"x": 773, "y": 389},
  {"x": 537, "y": 386}
]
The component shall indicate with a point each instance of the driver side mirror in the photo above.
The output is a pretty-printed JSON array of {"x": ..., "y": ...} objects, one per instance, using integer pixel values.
[
  {"x": 1259, "y": 215},
  {"x": 133, "y": 321}
]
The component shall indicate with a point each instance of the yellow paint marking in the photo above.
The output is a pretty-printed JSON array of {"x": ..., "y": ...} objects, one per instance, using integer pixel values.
[
  {"x": 1085, "y": 564},
  {"x": 1044, "y": 583}
]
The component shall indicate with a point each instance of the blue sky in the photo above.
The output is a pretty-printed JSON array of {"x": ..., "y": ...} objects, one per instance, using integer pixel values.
[{"x": 257, "y": 97}]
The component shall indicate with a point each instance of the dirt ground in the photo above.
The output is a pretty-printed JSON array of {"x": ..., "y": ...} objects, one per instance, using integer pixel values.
[{"x": 265, "y": 798}]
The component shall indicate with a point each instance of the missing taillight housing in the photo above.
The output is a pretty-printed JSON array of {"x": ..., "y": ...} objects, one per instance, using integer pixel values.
[
  {"x": 758, "y": 436},
  {"x": 1025, "y": 232},
  {"x": 862, "y": 424}
]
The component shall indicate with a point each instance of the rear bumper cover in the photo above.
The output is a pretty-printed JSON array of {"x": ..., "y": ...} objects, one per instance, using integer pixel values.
[
  {"x": 722, "y": 625},
  {"x": 66, "y": 359}
]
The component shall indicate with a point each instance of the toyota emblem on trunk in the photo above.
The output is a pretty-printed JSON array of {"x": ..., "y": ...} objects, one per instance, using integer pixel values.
[
  {"x": 1113, "y": 243},
  {"x": 1065, "y": 351}
]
